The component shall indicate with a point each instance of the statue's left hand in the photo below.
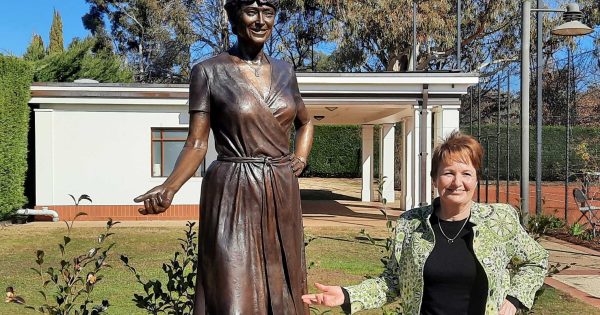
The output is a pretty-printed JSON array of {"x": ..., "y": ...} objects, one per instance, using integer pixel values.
[
  {"x": 298, "y": 164},
  {"x": 156, "y": 200}
]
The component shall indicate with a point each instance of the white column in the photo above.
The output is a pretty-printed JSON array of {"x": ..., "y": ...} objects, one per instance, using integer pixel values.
[
  {"x": 367, "y": 163},
  {"x": 386, "y": 157},
  {"x": 408, "y": 164},
  {"x": 416, "y": 156},
  {"x": 447, "y": 120},
  {"x": 44, "y": 156}
]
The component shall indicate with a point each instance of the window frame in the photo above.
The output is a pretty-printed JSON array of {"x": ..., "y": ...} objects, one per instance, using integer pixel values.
[{"x": 162, "y": 140}]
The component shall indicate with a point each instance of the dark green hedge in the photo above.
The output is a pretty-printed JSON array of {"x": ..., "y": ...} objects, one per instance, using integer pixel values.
[
  {"x": 553, "y": 151},
  {"x": 15, "y": 79},
  {"x": 335, "y": 152}
]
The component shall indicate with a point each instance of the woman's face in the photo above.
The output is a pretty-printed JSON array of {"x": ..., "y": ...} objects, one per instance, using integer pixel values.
[
  {"x": 456, "y": 183},
  {"x": 255, "y": 23}
]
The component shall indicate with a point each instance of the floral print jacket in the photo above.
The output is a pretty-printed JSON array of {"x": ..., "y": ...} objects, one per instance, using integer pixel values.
[{"x": 499, "y": 239}]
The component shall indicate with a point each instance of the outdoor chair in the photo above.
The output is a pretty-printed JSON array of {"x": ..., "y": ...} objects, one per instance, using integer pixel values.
[{"x": 588, "y": 211}]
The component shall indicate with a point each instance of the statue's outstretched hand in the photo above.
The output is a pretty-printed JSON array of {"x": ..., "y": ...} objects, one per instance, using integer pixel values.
[
  {"x": 156, "y": 200},
  {"x": 329, "y": 296}
]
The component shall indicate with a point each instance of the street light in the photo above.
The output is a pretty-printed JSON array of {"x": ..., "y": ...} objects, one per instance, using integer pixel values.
[{"x": 571, "y": 27}]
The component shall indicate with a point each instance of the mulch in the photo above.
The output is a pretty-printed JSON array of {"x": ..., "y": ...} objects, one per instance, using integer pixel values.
[{"x": 565, "y": 236}]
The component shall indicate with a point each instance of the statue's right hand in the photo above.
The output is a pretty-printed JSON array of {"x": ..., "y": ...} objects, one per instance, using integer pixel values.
[
  {"x": 156, "y": 200},
  {"x": 329, "y": 296}
]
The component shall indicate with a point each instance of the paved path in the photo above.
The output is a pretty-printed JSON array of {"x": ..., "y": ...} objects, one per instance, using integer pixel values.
[{"x": 582, "y": 279}]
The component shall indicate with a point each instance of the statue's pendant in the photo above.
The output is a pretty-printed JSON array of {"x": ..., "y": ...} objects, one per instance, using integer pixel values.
[
  {"x": 257, "y": 72},
  {"x": 450, "y": 241}
]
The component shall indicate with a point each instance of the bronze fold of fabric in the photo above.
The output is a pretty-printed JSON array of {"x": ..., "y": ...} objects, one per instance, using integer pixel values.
[
  {"x": 283, "y": 286},
  {"x": 277, "y": 279}
]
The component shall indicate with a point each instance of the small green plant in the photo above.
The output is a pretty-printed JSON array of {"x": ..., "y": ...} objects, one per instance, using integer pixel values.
[
  {"x": 74, "y": 280},
  {"x": 541, "y": 224},
  {"x": 177, "y": 296},
  {"x": 576, "y": 229}
]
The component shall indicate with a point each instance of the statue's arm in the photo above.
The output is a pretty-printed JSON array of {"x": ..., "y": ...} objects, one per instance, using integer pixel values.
[
  {"x": 193, "y": 151},
  {"x": 304, "y": 132},
  {"x": 159, "y": 198}
]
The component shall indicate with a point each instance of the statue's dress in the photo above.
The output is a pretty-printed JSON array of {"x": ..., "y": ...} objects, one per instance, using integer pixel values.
[{"x": 251, "y": 245}]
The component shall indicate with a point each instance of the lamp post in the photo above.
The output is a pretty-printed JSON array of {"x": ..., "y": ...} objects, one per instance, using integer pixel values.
[{"x": 572, "y": 27}]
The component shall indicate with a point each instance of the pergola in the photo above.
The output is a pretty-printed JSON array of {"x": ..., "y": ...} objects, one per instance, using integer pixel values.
[{"x": 384, "y": 99}]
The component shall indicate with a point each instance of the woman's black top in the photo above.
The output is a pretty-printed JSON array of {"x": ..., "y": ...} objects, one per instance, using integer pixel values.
[{"x": 454, "y": 281}]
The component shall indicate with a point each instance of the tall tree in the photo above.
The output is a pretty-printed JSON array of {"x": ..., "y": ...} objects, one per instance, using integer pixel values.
[
  {"x": 302, "y": 26},
  {"x": 154, "y": 35},
  {"x": 80, "y": 61},
  {"x": 56, "y": 35},
  {"x": 36, "y": 50}
]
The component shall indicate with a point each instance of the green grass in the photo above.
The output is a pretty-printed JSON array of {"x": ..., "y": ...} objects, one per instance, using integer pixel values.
[{"x": 335, "y": 256}]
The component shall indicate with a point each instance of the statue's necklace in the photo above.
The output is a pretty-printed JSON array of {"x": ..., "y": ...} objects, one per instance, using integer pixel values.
[{"x": 254, "y": 65}]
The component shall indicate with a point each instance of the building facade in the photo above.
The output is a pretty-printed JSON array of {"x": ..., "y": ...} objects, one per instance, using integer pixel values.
[{"x": 115, "y": 141}]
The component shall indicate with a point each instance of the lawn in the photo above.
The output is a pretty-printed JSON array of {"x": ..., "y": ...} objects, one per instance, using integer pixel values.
[{"x": 335, "y": 256}]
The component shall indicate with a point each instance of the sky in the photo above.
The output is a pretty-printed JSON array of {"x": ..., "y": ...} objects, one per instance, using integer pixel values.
[{"x": 19, "y": 19}]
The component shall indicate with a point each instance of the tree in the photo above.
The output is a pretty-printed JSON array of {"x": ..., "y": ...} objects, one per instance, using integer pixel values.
[
  {"x": 155, "y": 36},
  {"x": 80, "y": 61},
  {"x": 36, "y": 50},
  {"x": 15, "y": 80},
  {"x": 56, "y": 35},
  {"x": 302, "y": 26}
]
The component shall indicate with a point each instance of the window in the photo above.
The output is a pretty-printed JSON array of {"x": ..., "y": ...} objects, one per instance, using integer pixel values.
[{"x": 166, "y": 146}]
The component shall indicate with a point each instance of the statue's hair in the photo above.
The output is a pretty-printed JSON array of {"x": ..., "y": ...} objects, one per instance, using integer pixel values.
[{"x": 233, "y": 6}]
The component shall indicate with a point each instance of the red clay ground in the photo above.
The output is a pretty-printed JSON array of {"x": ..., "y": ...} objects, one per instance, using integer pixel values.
[{"x": 553, "y": 198}]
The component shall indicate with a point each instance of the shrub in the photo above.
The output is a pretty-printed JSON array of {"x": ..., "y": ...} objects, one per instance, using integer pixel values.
[
  {"x": 553, "y": 151},
  {"x": 15, "y": 79},
  {"x": 541, "y": 224},
  {"x": 336, "y": 152},
  {"x": 74, "y": 280},
  {"x": 177, "y": 296}
]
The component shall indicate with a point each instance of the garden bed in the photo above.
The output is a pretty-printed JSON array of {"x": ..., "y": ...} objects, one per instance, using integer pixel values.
[{"x": 566, "y": 236}]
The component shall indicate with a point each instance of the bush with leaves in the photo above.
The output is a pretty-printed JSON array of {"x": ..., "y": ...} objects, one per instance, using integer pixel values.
[
  {"x": 15, "y": 80},
  {"x": 177, "y": 296},
  {"x": 542, "y": 224},
  {"x": 71, "y": 284}
]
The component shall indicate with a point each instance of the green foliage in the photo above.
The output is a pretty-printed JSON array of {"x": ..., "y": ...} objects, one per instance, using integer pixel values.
[
  {"x": 541, "y": 224},
  {"x": 72, "y": 283},
  {"x": 335, "y": 152},
  {"x": 553, "y": 150},
  {"x": 56, "y": 35},
  {"x": 576, "y": 229},
  {"x": 36, "y": 50},
  {"x": 177, "y": 296},
  {"x": 15, "y": 80},
  {"x": 79, "y": 61},
  {"x": 156, "y": 36}
]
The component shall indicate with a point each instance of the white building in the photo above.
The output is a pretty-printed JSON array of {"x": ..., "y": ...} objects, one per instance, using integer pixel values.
[{"x": 115, "y": 141}]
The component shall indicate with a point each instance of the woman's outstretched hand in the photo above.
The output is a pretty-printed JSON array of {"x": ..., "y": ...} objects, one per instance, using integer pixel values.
[
  {"x": 329, "y": 296},
  {"x": 156, "y": 200}
]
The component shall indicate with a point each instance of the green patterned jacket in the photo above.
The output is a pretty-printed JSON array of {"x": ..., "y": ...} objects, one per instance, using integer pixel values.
[{"x": 499, "y": 239}]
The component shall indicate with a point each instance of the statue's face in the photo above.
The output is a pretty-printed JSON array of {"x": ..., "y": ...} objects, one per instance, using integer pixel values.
[{"x": 255, "y": 23}]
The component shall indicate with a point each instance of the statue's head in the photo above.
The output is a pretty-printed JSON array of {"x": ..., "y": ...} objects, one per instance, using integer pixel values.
[{"x": 252, "y": 20}]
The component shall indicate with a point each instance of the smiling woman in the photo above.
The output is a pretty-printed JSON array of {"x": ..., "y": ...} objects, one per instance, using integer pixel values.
[
  {"x": 251, "y": 245},
  {"x": 455, "y": 256}
]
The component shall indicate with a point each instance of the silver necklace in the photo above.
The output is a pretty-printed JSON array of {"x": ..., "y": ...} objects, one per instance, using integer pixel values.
[
  {"x": 254, "y": 65},
  {"x": 451, "y": 240}
]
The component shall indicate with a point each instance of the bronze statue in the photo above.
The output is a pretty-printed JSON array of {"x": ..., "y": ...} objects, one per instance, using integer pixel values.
[{"x": 251, "y": 245}]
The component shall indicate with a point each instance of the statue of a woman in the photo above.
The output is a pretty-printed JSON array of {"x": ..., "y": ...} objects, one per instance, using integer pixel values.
[{"x": 251, "y": 246}]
